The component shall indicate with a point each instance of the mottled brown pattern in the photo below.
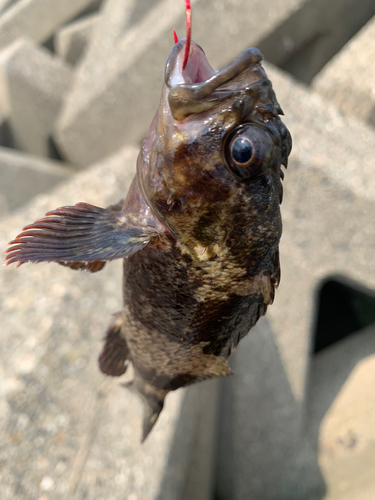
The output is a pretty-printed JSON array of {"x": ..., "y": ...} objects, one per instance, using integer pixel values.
[
  {"x": 229, "y": 229},
  {"x": 200, "y": 230}
]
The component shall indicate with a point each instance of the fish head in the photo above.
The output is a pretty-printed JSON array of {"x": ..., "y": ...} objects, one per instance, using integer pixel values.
[{"x": 210, "y": 165}]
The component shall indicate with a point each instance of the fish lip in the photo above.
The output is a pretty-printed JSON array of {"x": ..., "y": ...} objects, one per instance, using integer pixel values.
[
  {"x": 199, "y": 87},
  {"x": 198, "y": 69}
]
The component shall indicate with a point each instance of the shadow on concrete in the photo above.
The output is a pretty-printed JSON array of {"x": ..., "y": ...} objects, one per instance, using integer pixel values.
[
  {"x": 312, "y": 35},
  {"x": 6, "y": 135},
  {"x": 344, "y": 308},
  {"x": 262, "y": 453},
  {"x": 329, "y": 371}
]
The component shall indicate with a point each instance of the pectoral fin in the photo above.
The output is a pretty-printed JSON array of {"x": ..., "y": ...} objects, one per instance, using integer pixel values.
[{"x": 82, "y": 235}]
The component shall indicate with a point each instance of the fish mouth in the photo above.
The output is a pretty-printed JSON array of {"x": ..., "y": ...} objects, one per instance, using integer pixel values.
[
  {"x": 197, "y": 69},
  {"x": 199, "y": 87}
]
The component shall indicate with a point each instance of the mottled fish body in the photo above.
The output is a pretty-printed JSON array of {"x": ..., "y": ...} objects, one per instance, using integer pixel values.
[{"x": 199, "y": 229}]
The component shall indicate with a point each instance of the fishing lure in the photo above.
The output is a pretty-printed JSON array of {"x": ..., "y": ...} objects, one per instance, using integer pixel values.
[{"x": 198, "y": 231}]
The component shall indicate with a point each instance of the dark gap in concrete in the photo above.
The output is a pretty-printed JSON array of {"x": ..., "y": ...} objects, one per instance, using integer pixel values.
[
  {"x": 344, "y": 308},
  {"x": 222, "y": 402},
  {"x": 9, "y": 4},
  {"x": 304, "y": 43},
  {"x": 6, "y": 135},
  {"x": 93, "y": 8},
  {"x": 49, "y": 44},
  {"x": 53, "y": 150}
]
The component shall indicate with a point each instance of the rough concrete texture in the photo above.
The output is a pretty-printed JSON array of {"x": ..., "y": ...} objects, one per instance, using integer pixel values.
[
  {"x": 33, "y": 84},
  {"x": 24, "y": 176},
  {"x": 328, "y": 229},
  {"x": 348, "y": 80},
  {"x": 114, "y": 99},
  {"x": 71, "y": 41},
  {"x": 37, "y": 19},
  {"x": 67, "y": 432}
]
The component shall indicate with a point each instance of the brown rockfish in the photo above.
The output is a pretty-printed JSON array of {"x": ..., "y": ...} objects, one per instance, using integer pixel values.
[{"x": 198, "y": 231}]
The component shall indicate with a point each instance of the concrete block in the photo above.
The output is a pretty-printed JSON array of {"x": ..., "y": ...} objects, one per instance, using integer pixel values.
[
  {"x": 114, "y": 98},
  {"x": 5, "y": 4},
  {"x": 327, "y": 214},
  {"x": 260, "y": 455},
  {"x": 341, "y": 415},
  {"x": 24, "y": 176},
  {"x": 68, "y": 431},
  {"x": 348, "y": 80},
  {"x": 332, "y": 165},
  {"x": 37, "y": 19},
  {"x": 33, "y": 84},
  {"x": 71, "y": 41},
  {"x": 305, "y": 42},
  {"x": 115, "y": 17}
]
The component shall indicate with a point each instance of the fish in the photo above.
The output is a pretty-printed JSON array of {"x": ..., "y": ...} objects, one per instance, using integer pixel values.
[{"x": 198, "y": 230}]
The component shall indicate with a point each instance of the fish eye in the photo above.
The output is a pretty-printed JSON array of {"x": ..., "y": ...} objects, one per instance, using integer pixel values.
[
  {"x": 242, "y": 150},
  {"x": 248, "y": 151}
]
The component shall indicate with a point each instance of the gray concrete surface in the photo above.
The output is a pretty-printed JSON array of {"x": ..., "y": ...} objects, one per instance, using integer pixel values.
[
  {"x": 328, "y": 199},
  {"x": 24, "y": 176},
  {"x": 348, "y": 80},
  {"x": 71, "y": 41},
  {"x": 114, "y": 101},
  {"x": 5, "y": 4},
  {"x": 33, "y": 84},
  {"x": 328, "y": 229},
  {"x": 261, "y": 453},
  {"x": 291, "y": 427},
  {"x": 340, "y": 415},
  {"x": 37, "y": 19},
  {"x": 313, "y": 34},
  {"x": 67, "y": 432}
]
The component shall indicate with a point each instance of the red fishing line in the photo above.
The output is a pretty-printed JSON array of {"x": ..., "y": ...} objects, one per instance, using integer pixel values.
[{"x": 188, "y": 33}]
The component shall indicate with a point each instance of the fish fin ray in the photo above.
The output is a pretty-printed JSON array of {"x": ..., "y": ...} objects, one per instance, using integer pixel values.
[{"x": 81, "y": 236}]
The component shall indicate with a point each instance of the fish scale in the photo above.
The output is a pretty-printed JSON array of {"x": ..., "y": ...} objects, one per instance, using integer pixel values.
[{"x": 199, "y": 229}]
